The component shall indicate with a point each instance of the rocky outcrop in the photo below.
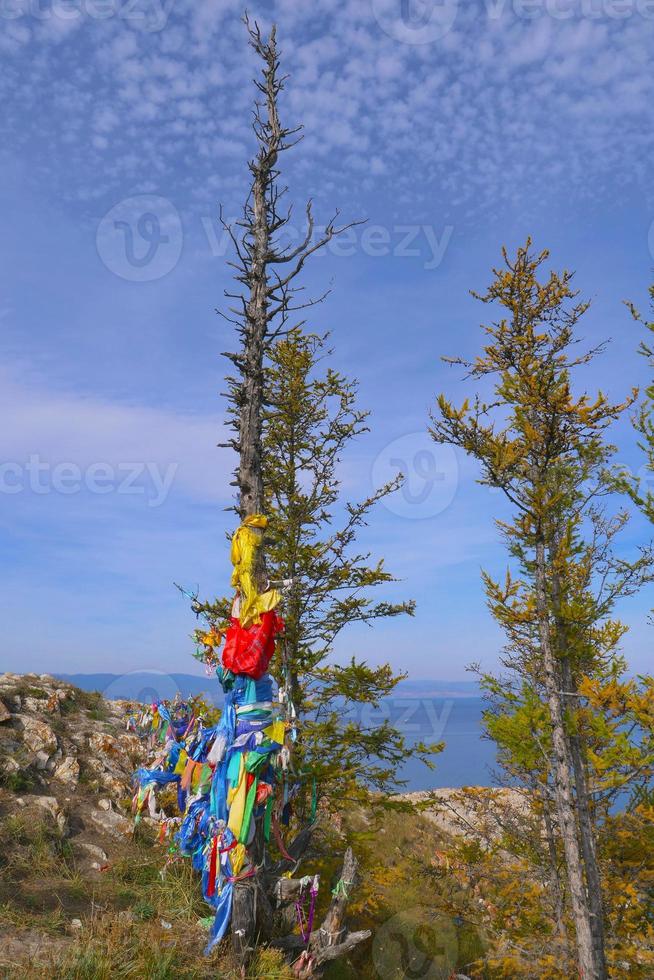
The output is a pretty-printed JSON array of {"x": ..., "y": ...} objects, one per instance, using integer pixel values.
[
  {"x": 475, "y": 812},
  {"x": 111, "y": 822},
  {"x": 50, "y": 730},
  {"x": 60, "y": 749},
  {"x": 38, "y": 737}
]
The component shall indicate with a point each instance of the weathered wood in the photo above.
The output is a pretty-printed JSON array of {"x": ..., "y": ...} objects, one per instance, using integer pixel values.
[
  {"x": 296, "y": 849},
  {"x": 325, "y": 954},
  {"x": 287, "y": 890},
  {"x": 266, "y": 298},
  {"x": 252, "y": 917},
  {"x": 332, "y": 939},
  {"x": 243, "y": 923},
  {"x": 334, "y": 923},
  {"x": 248, "y": 918},
  {"x": 260, "y": 222},
  {"x": 590, "y": 964}
]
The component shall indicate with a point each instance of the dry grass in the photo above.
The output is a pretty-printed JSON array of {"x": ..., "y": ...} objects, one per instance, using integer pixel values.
[
  {"x": 28, "y": 843},
  {"x": 140, "y": 923}
]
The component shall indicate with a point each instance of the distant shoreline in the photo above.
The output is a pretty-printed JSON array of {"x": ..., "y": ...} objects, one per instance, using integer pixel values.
[{"x": 144, "y": 685}]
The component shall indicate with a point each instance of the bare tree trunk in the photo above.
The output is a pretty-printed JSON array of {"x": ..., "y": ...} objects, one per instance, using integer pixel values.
[
  {"x": 589, "y": 966},
  {"x": 587, "y": 832},
  {"x": 251, "y": 913},
  {"x": 265, "y": 302},
  {"x": 584, "y": 814},
  {"x": 332, "y": 939},
  {"x": 556, "y": 887},
  {"x": 250, "y": 470}
]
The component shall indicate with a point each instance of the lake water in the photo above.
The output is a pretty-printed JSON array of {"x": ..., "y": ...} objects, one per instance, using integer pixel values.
[
  {"x": 427, "y": 710},
  {"x": 466, "y": 760}
]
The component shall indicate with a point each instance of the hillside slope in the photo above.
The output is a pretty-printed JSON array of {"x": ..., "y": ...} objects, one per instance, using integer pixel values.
[
  {"x": 83, "y": 896},
  {"x": 80, "y": 895}
]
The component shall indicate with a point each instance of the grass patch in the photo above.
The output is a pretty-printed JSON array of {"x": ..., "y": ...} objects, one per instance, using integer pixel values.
[
  {"x": 270, "y": 963},
  {"x": 98, "y": 714},
  {"x": 93, "y": 703},
  {"x": 175, "y": 895},
  {"x": 113, "y": 949},
  {"x": 32, "y": 846},
  {"x": 52, "y": 923},
  {"x": 178, "y": 893},
  {"x": 69, "y": 705},
  {"x": 28, "y": 691},
  {"x": 18, "y": 782},
  {"x": 143, "y": 910},
  {"x": 129, "y": 871}
]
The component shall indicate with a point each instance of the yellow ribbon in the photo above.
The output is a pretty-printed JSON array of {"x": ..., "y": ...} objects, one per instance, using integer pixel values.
[
  {"x": 246, "y": 541},
  {"x": 239, "y": 796}
]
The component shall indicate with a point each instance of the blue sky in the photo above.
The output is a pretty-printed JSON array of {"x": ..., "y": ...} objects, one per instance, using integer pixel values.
[{"x": 452, "y": 128}]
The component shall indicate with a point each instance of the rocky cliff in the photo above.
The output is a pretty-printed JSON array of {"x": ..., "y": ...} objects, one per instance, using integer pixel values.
[
  {"x": 58, "y": 745},
  {"x": 66, "y": 761}
]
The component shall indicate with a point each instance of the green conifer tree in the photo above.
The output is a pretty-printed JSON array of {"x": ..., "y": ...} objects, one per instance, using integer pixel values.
[
  {"x": 310, "y": 421},
  {"x": 545, "y": 448}
]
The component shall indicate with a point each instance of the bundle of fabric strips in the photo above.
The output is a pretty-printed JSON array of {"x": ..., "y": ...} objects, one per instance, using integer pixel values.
[{"x": 232, "y": 778}]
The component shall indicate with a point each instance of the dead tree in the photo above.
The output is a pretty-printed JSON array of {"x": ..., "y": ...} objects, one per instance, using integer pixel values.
[
  {"x": 332, "y": 939},
  {"x": 266, "y": 306}
]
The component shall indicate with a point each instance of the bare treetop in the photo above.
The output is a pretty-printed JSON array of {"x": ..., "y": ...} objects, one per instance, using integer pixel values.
[{"x": 263, "y": 308}]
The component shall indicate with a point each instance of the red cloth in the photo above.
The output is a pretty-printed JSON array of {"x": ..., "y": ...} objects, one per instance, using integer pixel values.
[
  {"x": 249, "y": 651},
  {"x": 263, "y": 792},
  {"x": 213, "y": 868}
]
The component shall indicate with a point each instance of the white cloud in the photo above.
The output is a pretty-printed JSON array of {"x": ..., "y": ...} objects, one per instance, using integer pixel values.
[
  {"x": 61, "y": 427},
  {"x": 465, "y": 110}
]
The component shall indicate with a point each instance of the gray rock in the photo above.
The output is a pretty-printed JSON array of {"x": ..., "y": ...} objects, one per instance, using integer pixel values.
[
  {"x": 37, "y": 735},
  {"x": 111, "y": 822},
  {"x": 54, "y": 761},
  {"x": 51, "y": 805},
  {"x": 68, "y": 771},
  {"x": 35, "y": 704},
  {"x": 91, "y": 849}
]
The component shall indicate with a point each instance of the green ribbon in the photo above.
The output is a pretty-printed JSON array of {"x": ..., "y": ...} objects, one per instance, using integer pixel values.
[
  {"x": 247, "y": 813},
  {"x": 314, "y": 799},
  {"x": 267, "y": 820},
  {"x": 341, "y": 889}
]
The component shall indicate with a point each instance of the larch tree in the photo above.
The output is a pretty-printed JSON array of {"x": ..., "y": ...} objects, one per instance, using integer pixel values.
[
  {"x": 643, "y": 421},
  {"x": 545, "y": 449},
  {"x": 266, "y": 305},
  {"x": 611, "y": 746},
  {"x": 311, "y": 419}
]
